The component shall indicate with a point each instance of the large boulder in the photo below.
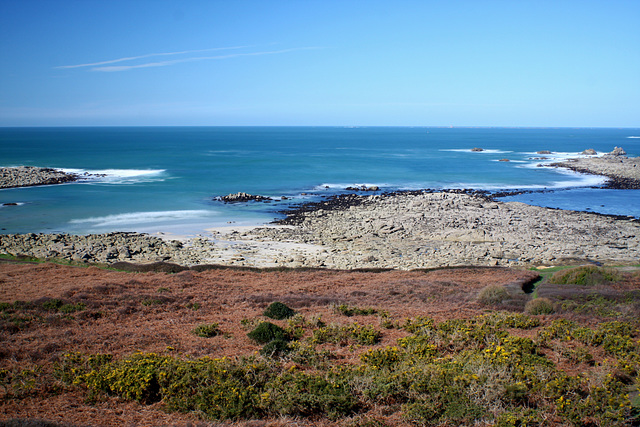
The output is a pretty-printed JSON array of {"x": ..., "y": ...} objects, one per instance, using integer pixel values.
[
  {"x": 589, "y": 152},
  {"x": 617, "y": 152}
]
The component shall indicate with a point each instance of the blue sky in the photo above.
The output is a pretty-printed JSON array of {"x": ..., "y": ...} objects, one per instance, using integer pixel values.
[{"x": 306, "y": 62}]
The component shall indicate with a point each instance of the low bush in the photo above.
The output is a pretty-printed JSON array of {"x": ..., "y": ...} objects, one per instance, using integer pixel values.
[
  {"x": 206, "y": 331},
  {"x": 354, "y": 333},
  {"x": 349, "y": 310},
  {"x": 266, "y": 332},
  {"x": 492, "y": 295},
  {"x": 52, "y": 304},
  {"x": 477, "y": 370},
  {"x": 276, "y": 348},
  {"x": 539, "y": 306},
  {"x": 306, "y": 394},
  {"x": 278, "y": 311},
  {"x": 588, "y": 275}
]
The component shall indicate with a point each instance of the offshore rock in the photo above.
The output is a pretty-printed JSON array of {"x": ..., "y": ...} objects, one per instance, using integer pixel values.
[
  {"x": 242, "y": 197},
  {"x": 363, "y": 188},
  {"x": 28, "y": 176},
  {"x": 617, "y": 152}
]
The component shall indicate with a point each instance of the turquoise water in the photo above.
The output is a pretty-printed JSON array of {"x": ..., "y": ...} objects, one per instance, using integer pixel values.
[{"x": 165, "y": 178}]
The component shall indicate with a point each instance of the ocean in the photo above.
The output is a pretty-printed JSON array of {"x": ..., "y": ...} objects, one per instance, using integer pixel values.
[{"x": 166, "y": 179}]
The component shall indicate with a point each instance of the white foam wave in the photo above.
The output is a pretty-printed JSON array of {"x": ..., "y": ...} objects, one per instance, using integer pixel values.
[
  {"x": 484, "y": 151},
  {"x": 118, "y": 176},
  {"x": 634, "y": 137},
  {"x": 136, "y": 218},
  {"x": 581, "y": 180}
]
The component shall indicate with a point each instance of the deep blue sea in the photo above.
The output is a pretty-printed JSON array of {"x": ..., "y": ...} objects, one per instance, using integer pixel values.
[{"x": 166, "y": 178}]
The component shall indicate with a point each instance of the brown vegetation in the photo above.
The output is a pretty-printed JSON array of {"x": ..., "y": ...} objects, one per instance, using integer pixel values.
[{"x": 120, "y": 313}]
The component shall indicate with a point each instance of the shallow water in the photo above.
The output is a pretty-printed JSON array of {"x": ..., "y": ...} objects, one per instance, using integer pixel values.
[{"x": 165, "y": 178}]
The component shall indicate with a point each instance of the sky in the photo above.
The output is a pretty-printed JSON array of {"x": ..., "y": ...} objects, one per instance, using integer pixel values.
[{"x": 539, "y": 63}]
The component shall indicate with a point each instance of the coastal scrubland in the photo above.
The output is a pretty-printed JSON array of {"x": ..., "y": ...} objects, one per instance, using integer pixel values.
[{"x": 220, "y": 346}]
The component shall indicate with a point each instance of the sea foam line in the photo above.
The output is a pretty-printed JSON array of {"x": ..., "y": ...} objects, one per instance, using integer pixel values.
[
  {"x": 143, "y": 217},
  {"x": 117, "y": 176}
]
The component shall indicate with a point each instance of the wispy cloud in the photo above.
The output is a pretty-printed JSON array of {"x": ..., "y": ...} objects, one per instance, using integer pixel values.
[
  {"x": 149, "y": 55},
  {"x": 103, "y": 66}
]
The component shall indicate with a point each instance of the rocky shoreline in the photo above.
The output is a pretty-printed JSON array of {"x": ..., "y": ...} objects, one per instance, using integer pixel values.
[
  {"x": 406, "y": 230},
  {"x": 401, "y": 231},
  {"x": 29, "y": 176},
  {"x": 623, "y": 172}
]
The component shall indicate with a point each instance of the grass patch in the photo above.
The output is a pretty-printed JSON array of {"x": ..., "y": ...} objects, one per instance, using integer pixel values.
[{"x": 589, "y": 275}]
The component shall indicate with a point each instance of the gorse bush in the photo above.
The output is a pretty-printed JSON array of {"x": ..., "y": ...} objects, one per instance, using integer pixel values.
[
  {"x": 277, "y": 310},
  {"x": 266, "y": 332},
  {"x": 585, "y": 275},
  {"x": 349, "y": 310},
  {"x": 456, "y": 372},
  {"x": 206, "y": 331},
  {"x": 308, "y": 394},
  {"x": 354, "y": 333},
  {"x": 276, "y": 348},
  {"x": 217, "y": 388}
]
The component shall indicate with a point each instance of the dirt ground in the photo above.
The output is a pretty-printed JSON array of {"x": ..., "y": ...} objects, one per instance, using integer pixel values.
[{"x": 156, "y": 312}]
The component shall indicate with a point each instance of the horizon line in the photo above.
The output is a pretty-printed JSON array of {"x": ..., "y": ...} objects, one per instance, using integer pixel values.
[{"x": 330, "y": 126}]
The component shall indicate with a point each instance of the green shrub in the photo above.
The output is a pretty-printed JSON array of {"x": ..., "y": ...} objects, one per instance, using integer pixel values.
[
  {"x": 360, "y": 334},
  {"x": 53, "y": 304},
  {"x": 306, "y": 353},
  {"x": 206, "y": 331},
  {"x": 588, "y": 275},
  {"x": 539, "y": 306},
  {"x": 275, "y": 348},
  {"x": 380, "y": 357},
  {"x": 151, "y": 301},
  {"x": 135, "y": 378},
  {"x": 266, "y": 332},
  {"x": 492, "y": 294},
  {"x": 521, "y": 417},
  {"x": 193, "y": 305},
  {"x": 301, "y": 393},
  {"x": 72, "y": 308},
  {"x": 278, "y": 311},
  {"x": 443, "y": 408},
  {"x": 349, "y": 310}
]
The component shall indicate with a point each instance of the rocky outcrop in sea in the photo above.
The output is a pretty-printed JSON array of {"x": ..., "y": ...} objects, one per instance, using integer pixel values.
[
  {"x": 28, "y": 176},
  {"x": 623, "y": 172}
]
